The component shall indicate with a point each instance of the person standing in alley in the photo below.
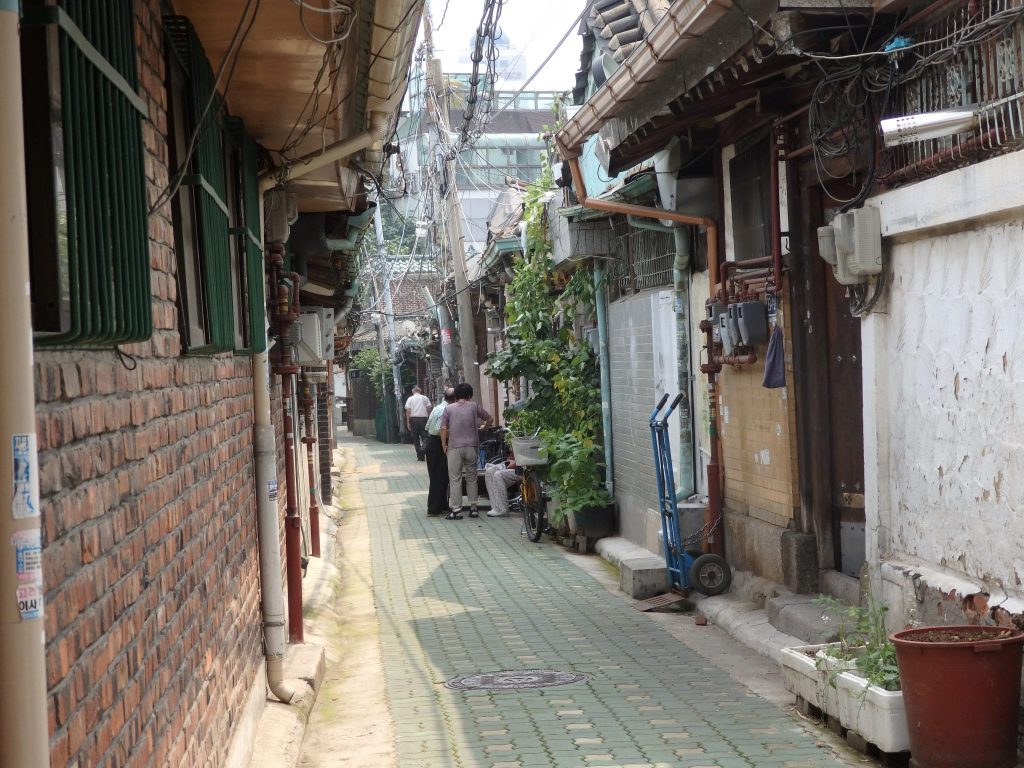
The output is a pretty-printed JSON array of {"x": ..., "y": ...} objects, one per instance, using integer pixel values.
[
  {"x": 460, "y": 439},
  {"x": 417, "y": 409},
  {"x": 437, "y": 465}
]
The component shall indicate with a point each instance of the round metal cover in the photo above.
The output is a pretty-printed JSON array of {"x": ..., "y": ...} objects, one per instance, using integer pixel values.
[{"x": 514, "y": 679}]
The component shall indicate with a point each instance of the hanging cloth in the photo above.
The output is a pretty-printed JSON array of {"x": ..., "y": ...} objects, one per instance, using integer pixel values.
[{"x": 775, "y": 361}]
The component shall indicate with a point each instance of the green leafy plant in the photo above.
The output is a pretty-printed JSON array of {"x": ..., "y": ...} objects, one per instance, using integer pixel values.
[
  {"x": 565, "y": 403},
  {"x": 368, "y": 360},
  {"x": 864, "y": 641}
]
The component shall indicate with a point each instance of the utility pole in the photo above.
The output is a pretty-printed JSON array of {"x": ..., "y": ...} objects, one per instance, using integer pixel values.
[
  {"x": 24, "y": 739},
  {"x": 389, "y": 318},
  {"x": 467, "y": 326}
]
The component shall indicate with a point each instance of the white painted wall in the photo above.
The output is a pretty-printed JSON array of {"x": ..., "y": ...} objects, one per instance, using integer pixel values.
[{"x": 944, "y": 385}]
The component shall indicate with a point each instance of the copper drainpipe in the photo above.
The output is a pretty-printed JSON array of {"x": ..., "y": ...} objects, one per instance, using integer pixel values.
[
  {"x": 285, "y": 313},
  {"x": 306, "y": 400},
  {"x": 713, "y": 515}
]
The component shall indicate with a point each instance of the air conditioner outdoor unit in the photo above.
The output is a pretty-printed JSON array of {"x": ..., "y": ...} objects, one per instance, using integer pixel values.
[{"x": 852, "y": 244}]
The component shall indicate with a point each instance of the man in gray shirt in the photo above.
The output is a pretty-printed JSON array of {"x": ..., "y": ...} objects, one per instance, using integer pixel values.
[{"x": 460, "y": 438}]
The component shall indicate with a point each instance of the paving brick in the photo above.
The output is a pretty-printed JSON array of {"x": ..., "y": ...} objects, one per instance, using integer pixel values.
[{"x": 466, "y": 597}]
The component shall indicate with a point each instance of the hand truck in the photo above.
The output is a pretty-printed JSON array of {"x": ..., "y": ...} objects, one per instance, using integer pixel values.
[{"x": 687, "y": 568}]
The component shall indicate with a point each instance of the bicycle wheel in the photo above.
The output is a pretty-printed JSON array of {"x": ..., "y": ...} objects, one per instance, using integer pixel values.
[{"x": 533, "y": 507}]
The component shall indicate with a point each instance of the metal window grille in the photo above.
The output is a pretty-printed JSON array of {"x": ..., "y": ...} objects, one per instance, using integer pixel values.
[
  {"x": 990, "y": 73},
  {"x": 205, "y": 174},
  {"x": 86, "y": 183},
  {"x": 644, "y": 261},
  {"x": 247, "y": 230}
]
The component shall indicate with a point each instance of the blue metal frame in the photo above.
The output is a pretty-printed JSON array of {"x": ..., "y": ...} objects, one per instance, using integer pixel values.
[{"x": 677, "y": 559}]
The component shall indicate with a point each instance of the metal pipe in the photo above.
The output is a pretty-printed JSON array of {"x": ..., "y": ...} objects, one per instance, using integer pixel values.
[
  {"x": 744, "y": 359},
  {"x": 929, "y": 163},
  {"x": 271, "y": 588},
  {"x": 776, "y": 215},
  {"x": 292, "y": 521},
  {"x": 285, "y": 313},
  {"x": 600, "y": 301},
  {"x": 332, "y": 153},
  {"x": 713, "y": 514},
  {"x": 307, "y": 400},
  {"x": 24, "y": 738}
]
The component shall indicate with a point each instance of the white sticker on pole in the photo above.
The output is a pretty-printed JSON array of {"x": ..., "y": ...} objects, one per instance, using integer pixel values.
[
  {"x": 26, "y": 476},
  {"x": 28, "y": 556},
  {"x": 30, "y": 602}
]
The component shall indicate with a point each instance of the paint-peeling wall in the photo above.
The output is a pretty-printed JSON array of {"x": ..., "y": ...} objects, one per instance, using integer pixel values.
[{"x": 944, "y": 399}]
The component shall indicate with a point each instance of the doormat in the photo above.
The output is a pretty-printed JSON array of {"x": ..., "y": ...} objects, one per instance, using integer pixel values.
[{"x": 515, "y": 679}]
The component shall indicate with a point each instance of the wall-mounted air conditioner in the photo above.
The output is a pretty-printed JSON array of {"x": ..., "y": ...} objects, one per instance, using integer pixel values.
[
  {"x": 852, "y": 244},
  {"x": 309, "y": 341}
]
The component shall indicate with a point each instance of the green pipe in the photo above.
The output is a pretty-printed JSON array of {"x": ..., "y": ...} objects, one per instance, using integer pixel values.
[{"x": 606, "y": 376}]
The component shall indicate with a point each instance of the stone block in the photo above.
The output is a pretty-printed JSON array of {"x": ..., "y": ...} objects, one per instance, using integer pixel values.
[
  {"x": 643, "y": 577},
  {"x": 799, "y": 562}
]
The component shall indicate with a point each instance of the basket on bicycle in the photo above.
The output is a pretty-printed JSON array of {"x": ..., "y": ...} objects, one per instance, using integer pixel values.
[{"x": 527, "y": 451}]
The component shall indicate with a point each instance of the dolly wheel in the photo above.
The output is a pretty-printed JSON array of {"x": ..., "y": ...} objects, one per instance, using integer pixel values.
[{"x": 710, "y": 575}]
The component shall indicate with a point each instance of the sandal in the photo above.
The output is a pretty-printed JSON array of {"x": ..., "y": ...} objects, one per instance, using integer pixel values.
[
  {"x": 474, "y": 512},
  {"x": 455, "y": 514}
]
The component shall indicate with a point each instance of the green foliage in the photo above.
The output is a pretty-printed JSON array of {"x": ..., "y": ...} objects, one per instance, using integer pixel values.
[
  {"x": 864, "y": 640},
  {"x": 368, "y": 360},
  {"x": 565, "y": 405}
]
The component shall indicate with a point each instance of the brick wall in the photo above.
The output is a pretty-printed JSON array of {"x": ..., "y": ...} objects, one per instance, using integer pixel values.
[{"x": 152, "y": 625}]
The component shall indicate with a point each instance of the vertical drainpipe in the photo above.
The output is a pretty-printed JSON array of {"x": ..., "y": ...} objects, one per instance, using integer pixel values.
[
  {"x": 307, "y": 399},
  {"x": 24, "y": 733},
  {"x": 600, "y": 300},
  {"x": 687, "y": 436}
]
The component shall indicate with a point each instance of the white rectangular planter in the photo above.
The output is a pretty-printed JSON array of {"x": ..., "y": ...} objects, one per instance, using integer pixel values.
[{"x": 878, "y": 716}]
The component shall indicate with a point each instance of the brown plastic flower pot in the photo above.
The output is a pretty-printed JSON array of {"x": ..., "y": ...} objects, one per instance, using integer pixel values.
[{"x": 961, "y": 690}]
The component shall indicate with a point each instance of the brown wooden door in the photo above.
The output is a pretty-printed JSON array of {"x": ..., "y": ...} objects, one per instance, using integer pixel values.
[{"x": 846, "y": 430}]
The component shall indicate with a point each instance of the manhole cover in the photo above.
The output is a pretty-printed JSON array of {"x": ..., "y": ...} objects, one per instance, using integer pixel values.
[{"x": 512, "y": 679}]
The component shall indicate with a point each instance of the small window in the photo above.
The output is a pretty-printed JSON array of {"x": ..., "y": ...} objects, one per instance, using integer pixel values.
[{"x": 750, "y": 195}]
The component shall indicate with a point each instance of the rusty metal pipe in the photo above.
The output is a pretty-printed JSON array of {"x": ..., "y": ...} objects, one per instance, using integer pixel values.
[
  {"x": 744, "y": 359},
  {"x": 930, "y": 162},
  {"x": 310, "y": 440},
  {"x": 292, "y": 522},
  {"x": 776, "y": 221}
]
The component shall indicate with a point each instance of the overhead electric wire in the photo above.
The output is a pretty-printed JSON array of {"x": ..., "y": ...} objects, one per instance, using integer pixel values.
[{"x": 238, "y": 37}]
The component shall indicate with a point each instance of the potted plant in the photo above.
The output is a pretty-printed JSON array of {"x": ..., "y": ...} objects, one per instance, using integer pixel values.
[
  {"x": 855, "y": 679},
  {"x": 962, "y": 691}
]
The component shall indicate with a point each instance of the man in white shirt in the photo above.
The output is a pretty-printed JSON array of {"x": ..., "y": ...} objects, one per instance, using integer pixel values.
[
  {"x": 417, "y": 409},
  {"x": 437, "y": 464}
]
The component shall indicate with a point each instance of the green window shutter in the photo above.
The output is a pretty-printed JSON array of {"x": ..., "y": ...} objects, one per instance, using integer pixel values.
[
  {"x": 248, "y": 232},
  {"x": 86, "y": 182},
  {"x": 205, "y": 173}
]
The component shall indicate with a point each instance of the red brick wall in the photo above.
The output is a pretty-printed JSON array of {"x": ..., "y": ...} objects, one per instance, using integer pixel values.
[{"x": 152, "y": 625}]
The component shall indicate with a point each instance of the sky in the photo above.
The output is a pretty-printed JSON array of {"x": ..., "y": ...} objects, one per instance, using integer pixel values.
[{"x": 533, "y": 27}]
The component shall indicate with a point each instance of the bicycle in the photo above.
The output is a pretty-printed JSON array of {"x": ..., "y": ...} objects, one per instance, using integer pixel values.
[{"x": 532, "y": 499}]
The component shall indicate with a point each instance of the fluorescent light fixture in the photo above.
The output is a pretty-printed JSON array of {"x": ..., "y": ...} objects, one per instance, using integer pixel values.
[{"x": 932, "y": 125}]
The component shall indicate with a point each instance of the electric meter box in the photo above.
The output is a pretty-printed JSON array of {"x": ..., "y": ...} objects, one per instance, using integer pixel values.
[
  {"x": 715, "y": 310},
  {"x": 734, "y": 324},
  {"x": 724, "y": 334},
  {"x": 753, "y": 322}
]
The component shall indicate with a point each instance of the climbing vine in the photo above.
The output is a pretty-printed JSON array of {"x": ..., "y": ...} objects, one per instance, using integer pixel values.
[{"x": 565, "y": 400}]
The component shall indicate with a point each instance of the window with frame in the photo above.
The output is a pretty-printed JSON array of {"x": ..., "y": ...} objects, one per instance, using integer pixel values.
[
  {"x": 750, "y": 195},
  {"x": 85, "y": 179},
  {"x": 215, "y": 207}
]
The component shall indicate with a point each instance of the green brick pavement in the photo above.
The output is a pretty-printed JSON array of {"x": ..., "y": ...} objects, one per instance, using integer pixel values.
[{"x": 462, "y": 597}]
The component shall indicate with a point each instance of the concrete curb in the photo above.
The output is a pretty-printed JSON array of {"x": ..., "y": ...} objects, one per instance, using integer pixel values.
[
  {"x": 282, "y": 726},
  {"x": 746, "y": 621}
]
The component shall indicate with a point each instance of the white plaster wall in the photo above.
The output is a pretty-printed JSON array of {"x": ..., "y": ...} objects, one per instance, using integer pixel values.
[{"x": 944, "y": 379}]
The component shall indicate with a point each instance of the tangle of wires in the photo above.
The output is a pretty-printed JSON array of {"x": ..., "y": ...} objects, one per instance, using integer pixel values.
[{"x": 485, "y": 49}]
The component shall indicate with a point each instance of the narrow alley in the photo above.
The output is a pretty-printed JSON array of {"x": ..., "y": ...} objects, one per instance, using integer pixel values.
[{"x": 470, "y": 597}]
